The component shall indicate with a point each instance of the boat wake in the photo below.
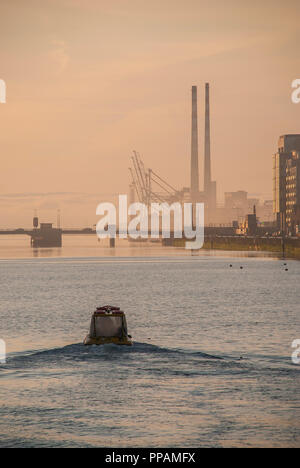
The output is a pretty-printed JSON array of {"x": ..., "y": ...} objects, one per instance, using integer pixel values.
[{"x": 79, "y": 353}]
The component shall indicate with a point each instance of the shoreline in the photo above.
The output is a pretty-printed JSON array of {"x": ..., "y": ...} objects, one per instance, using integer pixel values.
[{"x": 287, "y": 248}]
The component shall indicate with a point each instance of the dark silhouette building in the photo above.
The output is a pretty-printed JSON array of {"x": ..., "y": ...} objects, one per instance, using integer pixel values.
[
  {"x": 292, "y": 191},
  {"x": 286, "y": 184},
  {"x": 46, "y": 236}
]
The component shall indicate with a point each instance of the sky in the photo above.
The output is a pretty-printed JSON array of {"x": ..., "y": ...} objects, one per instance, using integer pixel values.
[{"x": 89, "y": 81}]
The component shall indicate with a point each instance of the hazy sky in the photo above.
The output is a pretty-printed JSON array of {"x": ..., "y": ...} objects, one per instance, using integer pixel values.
[{"x": 89, "y": 81}]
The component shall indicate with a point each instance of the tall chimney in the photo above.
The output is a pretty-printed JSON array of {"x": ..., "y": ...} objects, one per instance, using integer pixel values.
[
  {"x": 207, "y": 161},
  {"x": 194, "y": 147}
]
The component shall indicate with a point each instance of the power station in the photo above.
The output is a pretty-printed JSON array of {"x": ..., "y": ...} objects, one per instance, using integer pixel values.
[
  {"x": 150, "y": 187},
  {"x": 208, "y": 196},
  {"x": 194, "y": 148}
]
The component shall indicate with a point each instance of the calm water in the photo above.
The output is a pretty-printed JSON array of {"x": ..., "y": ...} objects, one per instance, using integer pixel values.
[{"x": 182, "y": 383}]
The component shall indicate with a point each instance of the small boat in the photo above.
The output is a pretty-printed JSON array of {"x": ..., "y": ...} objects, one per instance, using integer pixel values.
[{"x": 108, "y": 325}]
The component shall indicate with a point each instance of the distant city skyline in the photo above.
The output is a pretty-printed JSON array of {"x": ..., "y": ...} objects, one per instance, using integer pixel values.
[{"x": 88, "y": 82}]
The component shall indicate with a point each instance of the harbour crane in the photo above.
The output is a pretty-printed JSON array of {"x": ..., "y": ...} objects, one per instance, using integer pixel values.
[{"x": 149, "y": 186}]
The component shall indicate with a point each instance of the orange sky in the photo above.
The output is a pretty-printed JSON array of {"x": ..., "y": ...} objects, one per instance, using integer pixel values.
[{"x": 89, "y": 81}]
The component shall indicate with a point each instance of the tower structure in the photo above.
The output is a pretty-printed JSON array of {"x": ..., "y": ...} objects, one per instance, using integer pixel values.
[
  {"x": 207, "y": 160},
  {"x": 210, "y": 194},
  {"x": 194, "y": 148}
]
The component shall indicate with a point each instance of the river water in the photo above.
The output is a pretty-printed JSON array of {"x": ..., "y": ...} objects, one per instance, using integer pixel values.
[{"x": 211, "y": 364}]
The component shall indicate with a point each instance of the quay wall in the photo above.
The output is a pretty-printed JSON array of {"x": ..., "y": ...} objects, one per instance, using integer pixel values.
[{"x": 290, "y": 247}]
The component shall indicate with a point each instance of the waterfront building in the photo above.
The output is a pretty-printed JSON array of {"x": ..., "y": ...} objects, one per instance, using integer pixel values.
[
  {"x": 293, "y": 193},
  {"x": 286, "y": 183}
]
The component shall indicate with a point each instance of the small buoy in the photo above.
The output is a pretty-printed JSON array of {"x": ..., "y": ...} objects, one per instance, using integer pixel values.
[
  {"x": 230, "y": 266},
  {"x": 241, "y": 268},
  {"x": 286, "y": 269}
]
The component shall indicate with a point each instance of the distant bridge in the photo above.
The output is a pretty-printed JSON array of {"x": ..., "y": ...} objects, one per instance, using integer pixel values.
[
  {"x": 209, "y": 231},
  {"x": 30, "y": 232}
]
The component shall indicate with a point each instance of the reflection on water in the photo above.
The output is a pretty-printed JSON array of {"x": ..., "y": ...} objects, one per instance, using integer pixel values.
[
  {"x": 182, "y": 384},
  {"x": 18, "y": 246}
]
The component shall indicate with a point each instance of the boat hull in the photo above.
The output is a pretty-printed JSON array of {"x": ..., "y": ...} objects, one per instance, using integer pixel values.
[{"x": 102, "y": 340}]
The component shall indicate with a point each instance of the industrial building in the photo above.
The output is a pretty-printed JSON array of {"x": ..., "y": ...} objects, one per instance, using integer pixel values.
[
  {"x": 286, "y": 184},
  {"x": 149, "y": 187},
  {"x": 209, "y": 195},
  {"x": 293, "y": 193}
]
